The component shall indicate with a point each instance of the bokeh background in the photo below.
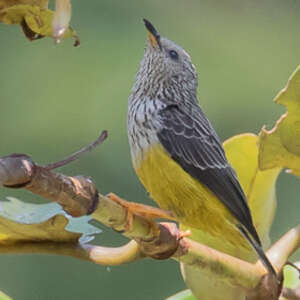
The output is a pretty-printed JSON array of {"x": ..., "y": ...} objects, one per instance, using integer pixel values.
[{"x": 55, "y": 99}]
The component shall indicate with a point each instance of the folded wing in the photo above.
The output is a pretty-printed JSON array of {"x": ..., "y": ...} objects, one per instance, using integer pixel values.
[{"x": 191, "y": 141}]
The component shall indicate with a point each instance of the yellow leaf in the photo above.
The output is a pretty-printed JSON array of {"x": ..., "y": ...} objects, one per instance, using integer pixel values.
[
  {"x": 9, "y": 3},
  {"x": 259, "y": 187},
  {"x": 36, "y": 20},
  {"x": 12, "y": 11},
  {"x": 291, "y": 278},
  {"x": 23, "y": 222},
  {"x": 39, "y": 21},
  {"x": 14, "y": 14},
  {"x": 280, "y": 146}
]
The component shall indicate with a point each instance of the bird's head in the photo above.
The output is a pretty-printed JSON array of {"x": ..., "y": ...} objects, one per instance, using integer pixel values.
[{"x": 166, "y": 68}]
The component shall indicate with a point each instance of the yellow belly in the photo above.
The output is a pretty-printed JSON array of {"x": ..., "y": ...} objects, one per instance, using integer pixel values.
[{"x": 194, "y": 204}]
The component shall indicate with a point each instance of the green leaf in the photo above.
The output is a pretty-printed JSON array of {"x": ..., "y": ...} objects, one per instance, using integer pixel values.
[
  {"x": 4, "y": 296},
  {"x": 24, "y": 222},
  {"x": 291, "y": 277},
  {"x": 183, "y": 295},
  {"x": 280, "y": 146}
]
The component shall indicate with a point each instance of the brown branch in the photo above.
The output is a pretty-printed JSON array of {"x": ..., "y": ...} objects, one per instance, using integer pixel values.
[
  {"x": 77, "y": 195},
  {"x": 79, "y": 153}
]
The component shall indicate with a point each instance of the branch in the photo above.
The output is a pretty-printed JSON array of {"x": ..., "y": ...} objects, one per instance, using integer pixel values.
[
  {"x": 284, "y": 248},
  {"x": 114, "y": 256},
  {"x": 158, "y": 244},
  {"x": 76, "y": 155},
  {"x": 77, "y": 195}
]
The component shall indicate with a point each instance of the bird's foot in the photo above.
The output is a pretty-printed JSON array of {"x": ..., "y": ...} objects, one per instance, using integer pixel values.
[{"x": 141, "y": 210}]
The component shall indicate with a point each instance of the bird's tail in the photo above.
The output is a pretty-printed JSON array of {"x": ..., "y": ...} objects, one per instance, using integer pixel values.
[{"x": 258, "y": 249}]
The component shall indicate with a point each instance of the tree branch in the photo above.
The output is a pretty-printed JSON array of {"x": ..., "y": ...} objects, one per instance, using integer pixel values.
[
  {"x": 79, "y": 153},
  {"x": 280, "y": 252},
  {"x": 77, "y": 195}
]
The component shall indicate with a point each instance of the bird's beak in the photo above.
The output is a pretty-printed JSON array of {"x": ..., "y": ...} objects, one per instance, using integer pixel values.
[{"x": 153, "y": 35}]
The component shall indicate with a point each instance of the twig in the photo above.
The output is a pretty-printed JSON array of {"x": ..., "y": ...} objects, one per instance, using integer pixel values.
[
  {"x": 284, "y": 248},
  {"x": 113, "y": 256},
  {"x": 78, "y": 153}
]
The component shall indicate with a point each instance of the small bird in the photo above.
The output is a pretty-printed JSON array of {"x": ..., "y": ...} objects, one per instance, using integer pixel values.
[{"x": 176, "y": 152}]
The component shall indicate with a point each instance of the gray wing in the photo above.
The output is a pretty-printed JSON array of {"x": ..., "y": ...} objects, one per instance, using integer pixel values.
[{"x": 192, "y": 142}]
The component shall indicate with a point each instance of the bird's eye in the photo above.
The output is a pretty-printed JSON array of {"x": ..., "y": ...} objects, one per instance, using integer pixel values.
[{"x": 173, "y": 54}]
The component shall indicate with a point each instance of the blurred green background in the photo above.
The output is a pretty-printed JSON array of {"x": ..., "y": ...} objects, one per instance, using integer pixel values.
[{"x": 55, "y": 99}]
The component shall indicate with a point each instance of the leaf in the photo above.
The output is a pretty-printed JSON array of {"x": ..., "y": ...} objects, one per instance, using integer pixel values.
[
  {"x": 36, "y": 19},
  {"x": 291, "y": 277},
  {"x": 259, "y": 187},
  {"x": 4, "y": 296},
  {"x": 9, "y": 3},
  {"x": 280, "y": 146},
  {"x": 183, "y": 295},
  {"x": 24, "y": 222}
]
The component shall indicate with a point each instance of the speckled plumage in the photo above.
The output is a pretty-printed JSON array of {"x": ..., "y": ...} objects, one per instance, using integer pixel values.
[{"x": 176, "y": 152}]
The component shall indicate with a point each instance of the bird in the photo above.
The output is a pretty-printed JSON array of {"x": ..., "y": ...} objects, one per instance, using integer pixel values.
[{"x": 177, "y": 154}]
